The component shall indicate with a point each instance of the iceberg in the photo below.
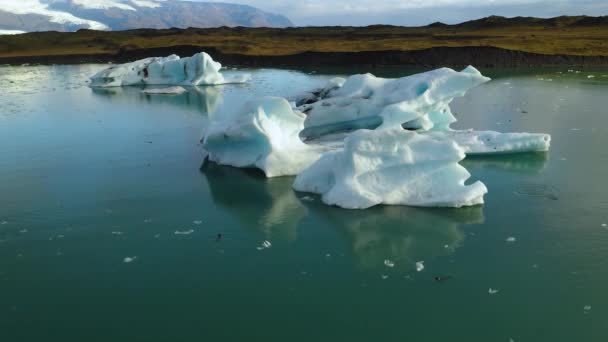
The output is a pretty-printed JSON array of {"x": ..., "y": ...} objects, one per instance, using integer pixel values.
[
  {"x": 199, "y": 69},
  {"x": 490, "y": 142},
  {"x": 395, "y": 167},
  {"x": 264, "y": 135},
  {"x": 418, "y": 102}
]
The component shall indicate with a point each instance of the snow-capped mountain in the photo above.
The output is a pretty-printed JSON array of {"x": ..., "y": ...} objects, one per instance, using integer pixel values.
[{"x": 70, "y": 15}]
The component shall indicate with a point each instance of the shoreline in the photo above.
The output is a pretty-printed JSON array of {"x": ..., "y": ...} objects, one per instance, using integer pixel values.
[{"x": 479, "y": 56}]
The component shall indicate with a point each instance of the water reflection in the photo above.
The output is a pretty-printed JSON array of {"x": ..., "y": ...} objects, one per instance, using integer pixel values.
[
  {"x": 523, "y": 163},
  {"x": 203, "y": 99},
  {"x": 402, "y": 234},
  {"x": 258, "y": 203}
]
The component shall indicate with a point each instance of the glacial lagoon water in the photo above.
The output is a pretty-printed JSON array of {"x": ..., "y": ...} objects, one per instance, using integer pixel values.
[{"x": 109, "y": 230}]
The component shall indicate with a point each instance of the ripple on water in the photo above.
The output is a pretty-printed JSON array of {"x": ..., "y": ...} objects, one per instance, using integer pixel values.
[{"x": 538, "y": 190}]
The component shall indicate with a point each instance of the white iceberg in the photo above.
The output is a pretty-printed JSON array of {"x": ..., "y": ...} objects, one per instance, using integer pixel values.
[
  {"x": 265, "y": 135},
  {"x": 199, "y": 69},
  {"x": 489, "y": 142},
  {"x": 394, "y": 167},
  {"x": 419, "y": 101}
]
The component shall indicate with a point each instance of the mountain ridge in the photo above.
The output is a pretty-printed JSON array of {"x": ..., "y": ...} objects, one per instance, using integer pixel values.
[{"x": 71, "y": 15}]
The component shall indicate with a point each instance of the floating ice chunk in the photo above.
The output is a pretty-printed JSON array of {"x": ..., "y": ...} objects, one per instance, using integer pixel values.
[
  {"x": 117, "y": 233},
  {"x": 389, "y": 263},
  {"x": 165, "y": 91},
  {"x": 265, "y": 245},
  {"x": 591, "y": 76},
  {"x": 3, "y": 223},
  {"x": 265, "y": 134},
  {"x": 199, "y": 69},
  {"x": 485, "y": 142},
  {"x": 587, "y": 308},
  {"x": 419, "y": 101},
  {"x": 492, "y": 291},
  {"x": 395, "y": 167},
  {"x": 419, "y": 266},
  {"x": 307, "y": 199},
  {"x": 197, "y": 222},
  {"x": 23, "y": 231},
  {"x": 129, "y": 260},
  {"x": 511, "y": 239},
  {"x": 604, "y": 225},
  {"x": 185, "y": 232},
  {"x": 384, "y": 276}
]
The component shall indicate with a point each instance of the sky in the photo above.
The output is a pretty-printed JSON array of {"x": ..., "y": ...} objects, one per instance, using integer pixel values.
[
  {"x": 419, "y": 12},
  {"x": 354, "y": 12}
]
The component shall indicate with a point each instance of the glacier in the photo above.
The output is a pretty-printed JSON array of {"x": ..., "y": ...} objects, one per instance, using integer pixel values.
[
  {"x": 392, "y": 166},
  {"x": 264, "y": 134},
  {"x": 200, "y": 69}
]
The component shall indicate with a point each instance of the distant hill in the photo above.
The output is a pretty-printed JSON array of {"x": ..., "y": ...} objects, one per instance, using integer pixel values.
[
  {"x": 71, "y": 15},
  {"x": 563, "y": 21}
]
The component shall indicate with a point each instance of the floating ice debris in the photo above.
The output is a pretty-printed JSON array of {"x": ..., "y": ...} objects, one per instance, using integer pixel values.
[
  {"x": 591, "y": 76},
  {"x": 492, "y": 291},
  {"x": 23, "y": 231},
  {"x": 165, "y": 91},
  {"x": 490, "y": 142},
  {"x": 199, "y": 69},
  {"x": 604, "y": 225},
  {"x": 587, "y": 308},
  {"x": 446, "y": 246},
  {"x": 328, "y": 255},
  {"x": 129, "y": 260},
  {"x": 307, "y": 199},
  {"x": 185, "y": 232},
  {"x": 511, "y": 239},
  {"x": 265, "y": 245},
  {"x": 394, "y": 167},
  {"x": 3, "y": 223},
  {"x": 264, "y": 134},
  {"x": 384, "y": 277},
  {"x": 197, "y": 222},
  {"x": 117, "y": 233},
  {"x": 389, "y": 263},
  {"x": 511, "y": 340},
  {"x": 157, "y": 236},
  {"x": 419, "y": 266}
]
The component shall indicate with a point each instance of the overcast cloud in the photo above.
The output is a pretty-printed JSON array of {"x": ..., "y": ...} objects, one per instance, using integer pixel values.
[{"x": 418, "y": 12}]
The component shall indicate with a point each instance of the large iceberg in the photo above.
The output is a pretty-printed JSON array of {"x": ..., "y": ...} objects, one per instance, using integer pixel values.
[
  {"x": 264, "y": 135},
  {"x": 419, "y": 101},
  {"x": 392, "y": 166},
  {"x": 199, "y": 69}
]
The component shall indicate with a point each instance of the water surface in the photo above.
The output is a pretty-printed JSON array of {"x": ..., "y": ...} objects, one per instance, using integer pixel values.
[{"x": 91, "y": 177}]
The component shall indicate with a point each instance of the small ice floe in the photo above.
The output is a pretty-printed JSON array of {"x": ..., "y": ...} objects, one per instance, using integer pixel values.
[
  {"x": 384, "y": 277},
  {"x": 389, "y": 263},
  {"x": 604, "y": 225},
  {"x": 3, "y": 223},
  {"x": 419, "y": 266},
  {"x": 591, "y": 76},
  {"x": 265, "y": 245},
  {"x": 157, "y": 236},
  {"x": 328, "y": 255},
  {"x": 184, "y": 232},
  {"x": 129, "y": 260},
  {"x": 492, "y": 291},
  {"x": 23, "y": 231},
  {"x": 511, "y": 239},
  {"x": 446, "y": 246},
  {"x": 197, "y": 222},
  {"x": 587, "y": 309},
  {"x": 117, "y": 233},
  {"x": 511, "y": 340},
  {"x": 307, "y": 199}
]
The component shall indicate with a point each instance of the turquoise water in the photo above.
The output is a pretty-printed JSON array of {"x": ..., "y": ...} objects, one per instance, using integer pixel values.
[{"x": 89, "y": 178}]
